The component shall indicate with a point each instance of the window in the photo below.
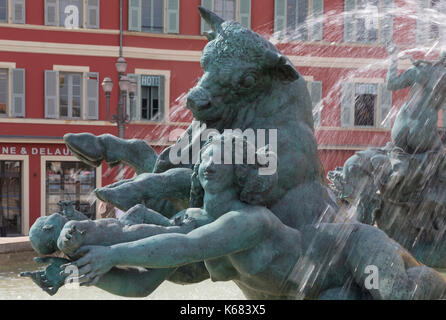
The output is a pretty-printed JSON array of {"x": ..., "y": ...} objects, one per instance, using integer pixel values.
[
  {"x": 10, "y": 198},
  {"x": 70, "y": 13},
  {"x": 71, "y": 95},
  {"x": 149, "y": 99},
  {"x": 152, "y": 16},
  {"x": 237, "y": 10},
  {"x": 291, "y": 19},
  {"x": 368, "y": 21},
  {"x": 70, "y": 181},
  {"x": 4, "y": 11},
  {"x": 430, "y": 26},
  {"x": 12, "y": 92},
  {"x": 4, "y": 92},
  {"x": 148, "y": 16},
  {"x": 365, "y": 105},
  {"x": 12, "y": 11}
]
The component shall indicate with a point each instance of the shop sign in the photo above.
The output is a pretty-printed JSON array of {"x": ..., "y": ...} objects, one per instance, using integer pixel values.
[{"x": 14, "y": 150}]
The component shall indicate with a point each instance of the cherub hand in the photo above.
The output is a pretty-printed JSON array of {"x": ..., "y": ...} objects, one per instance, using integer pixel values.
[
  {"x": 392, "y": 50},
  {"x": 95, "y": 262},
  {"x": 70, "y": 240},
  {"x": 49, "y": 279}
]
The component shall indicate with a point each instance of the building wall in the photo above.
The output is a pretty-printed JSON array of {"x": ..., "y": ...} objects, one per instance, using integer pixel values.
[{"x": 36, "y": 48}]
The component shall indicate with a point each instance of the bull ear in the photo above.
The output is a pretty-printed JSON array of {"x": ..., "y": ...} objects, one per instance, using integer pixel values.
[
  {"x": 211, "y": 18},
  {"x": 285, "y": 69},
  {"x": 287, "y": 72}
]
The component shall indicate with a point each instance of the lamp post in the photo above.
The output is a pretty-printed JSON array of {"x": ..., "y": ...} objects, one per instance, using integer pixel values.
[{"x": 126, "y": 85}]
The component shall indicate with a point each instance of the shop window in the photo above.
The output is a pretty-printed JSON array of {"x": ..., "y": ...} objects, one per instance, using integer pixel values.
[
  {"x": 237, "y": 10},
  {"x": 70, "y": 181},
  {"x": 368, "y": 21},
  {"x": 149, "y": 101},
  {"x": 70, "y": 13},
  {"x": 365, "y": 105},
  {"x": 148, "y": 16},
  {"x": 291, "y": 19},
  {"x": 10, "y": 198},
  {"x": 71, "y": 95}
]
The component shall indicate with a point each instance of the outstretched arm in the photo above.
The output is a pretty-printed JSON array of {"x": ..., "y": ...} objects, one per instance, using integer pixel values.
[
  {"x": 132, "y": 282},
  {"x": 404, "y": 80},
  {"x": 233, "y": 232}
]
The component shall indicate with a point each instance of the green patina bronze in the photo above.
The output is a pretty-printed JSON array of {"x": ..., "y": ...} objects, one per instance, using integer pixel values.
[
  {"x": 274, "y": 235},
  {"x": 401, "y": 187}
]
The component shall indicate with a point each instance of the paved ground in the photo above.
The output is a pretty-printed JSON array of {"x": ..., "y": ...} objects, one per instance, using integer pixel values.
[{"x": 15, "y": 244}]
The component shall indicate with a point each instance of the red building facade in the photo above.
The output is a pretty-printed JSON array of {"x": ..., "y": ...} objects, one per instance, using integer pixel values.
[{"x": 54, "y": 55}]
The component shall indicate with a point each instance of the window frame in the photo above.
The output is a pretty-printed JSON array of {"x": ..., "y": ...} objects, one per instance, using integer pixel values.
[
  {"x": 10, "y": 13},
  {"x": 375, "y": 107},
  {"x": 203, "y": 24},
  {"x": 383, "y": 104},
  {"x": 70, "y": 96},
  {"x": 164, "y": 26},
  {"x": 380, "y": 29},
  {"x": 166, "y": 99},
  {"x": 83, "y": 16}
]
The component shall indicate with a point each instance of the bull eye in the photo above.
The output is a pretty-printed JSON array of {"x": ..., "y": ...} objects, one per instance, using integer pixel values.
[{"x": 248, "y": 81}]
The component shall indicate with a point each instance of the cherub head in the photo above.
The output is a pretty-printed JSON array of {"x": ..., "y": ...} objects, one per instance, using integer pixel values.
[
  {"x": 212, "y": 174},
  {"x": 45, "y": 231}
]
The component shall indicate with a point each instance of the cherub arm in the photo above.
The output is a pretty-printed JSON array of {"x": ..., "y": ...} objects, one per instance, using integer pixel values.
[{"x": 404, "y": 80}]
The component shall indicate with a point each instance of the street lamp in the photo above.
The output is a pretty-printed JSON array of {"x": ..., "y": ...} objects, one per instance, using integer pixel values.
[{"x": 126, "y": 85}]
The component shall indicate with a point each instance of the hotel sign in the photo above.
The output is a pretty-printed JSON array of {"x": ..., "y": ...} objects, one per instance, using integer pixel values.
[{"x": 150, "y": 81}]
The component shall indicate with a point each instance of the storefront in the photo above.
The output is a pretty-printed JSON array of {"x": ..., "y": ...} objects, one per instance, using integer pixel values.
[{"x": 35, "y": 177}]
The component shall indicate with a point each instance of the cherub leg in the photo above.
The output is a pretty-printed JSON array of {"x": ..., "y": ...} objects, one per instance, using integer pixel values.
[{"x": 93, "y": 150}]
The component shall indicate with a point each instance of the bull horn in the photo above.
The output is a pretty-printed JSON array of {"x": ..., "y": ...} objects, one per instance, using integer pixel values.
[{"x": 211, "y": 18}]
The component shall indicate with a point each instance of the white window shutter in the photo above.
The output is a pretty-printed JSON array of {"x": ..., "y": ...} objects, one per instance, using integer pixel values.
[
  {"x": 93, "y": 11},
  {"x": 279, "y": 16},
  {"x": 135, "y": 112},
  {"x": 349, "y": 21},
  {"x": 92, "y": 96},
  {"x": 385, "y": 104},
  {"x": 347, "y": 104},
  {"x": 19, "y": 11},
  {"x": 316, "y": 98},
  {"x": 422, "y": 29},
  {"x": 162, "y": 102},
  {"x": 51, "y": 13},
  {"x": 442, "y": 26},
  {"x": 386, "y": 18},
  {"x": 207, "y": 4},
  {"x": 317, "y": 11},
  {"x": 173, "y": 16},
  {"x": 244, "y": 13},
  {"x": 51, "y": 94},
  {"x": 135, "y": 15},
  {"x": 18, "y": 93}
]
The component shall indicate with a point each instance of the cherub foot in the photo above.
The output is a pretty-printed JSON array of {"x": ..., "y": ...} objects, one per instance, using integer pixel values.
[
  {"x": 86, "y": 146},
  {"x": 49, "y": 279}
]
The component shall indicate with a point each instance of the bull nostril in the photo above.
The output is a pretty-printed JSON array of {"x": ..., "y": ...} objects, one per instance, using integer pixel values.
[{"x": 198, "y": 99}]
